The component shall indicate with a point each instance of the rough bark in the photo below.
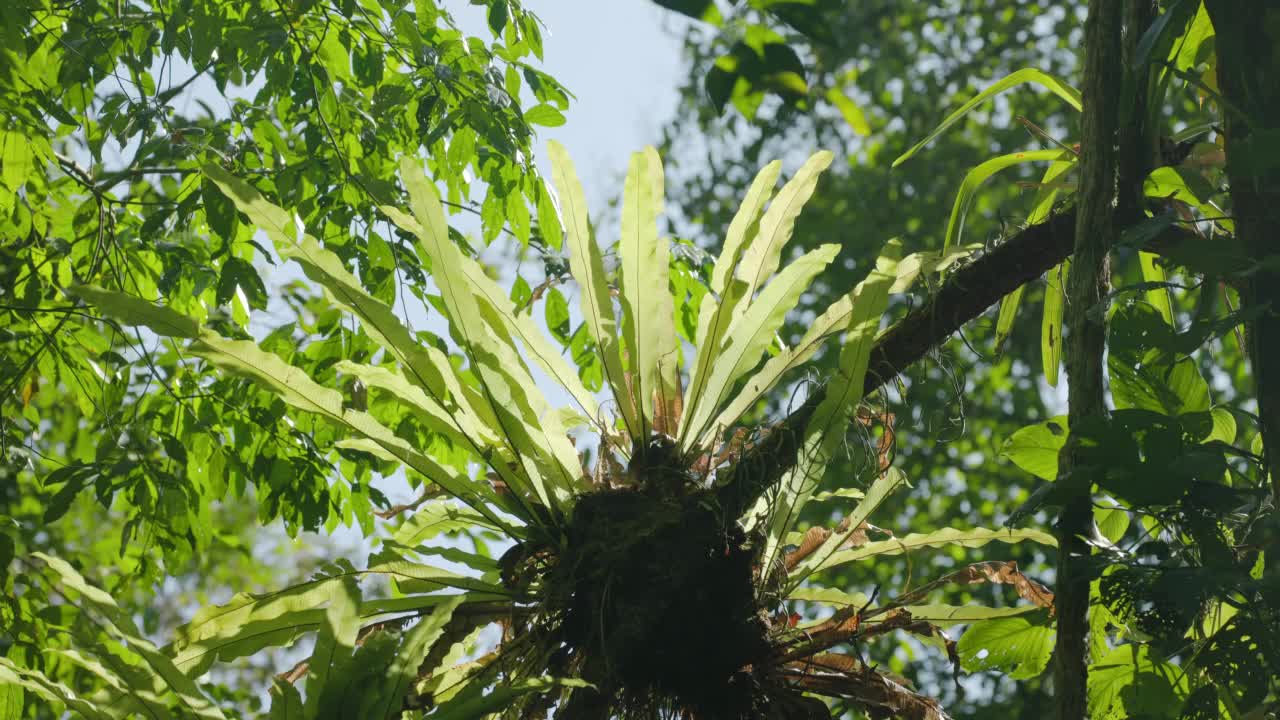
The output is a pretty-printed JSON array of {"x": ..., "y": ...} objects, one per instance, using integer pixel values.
[
  {"x": 1087, "y": 288},
  {"x": 1248, "y": 45}
]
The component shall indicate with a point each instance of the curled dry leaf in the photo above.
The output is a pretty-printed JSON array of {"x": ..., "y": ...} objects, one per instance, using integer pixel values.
[{"x": 1006, "y": 573}]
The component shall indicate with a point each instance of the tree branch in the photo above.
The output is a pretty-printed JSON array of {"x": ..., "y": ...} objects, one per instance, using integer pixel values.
[{"x": 967, "y": 293}]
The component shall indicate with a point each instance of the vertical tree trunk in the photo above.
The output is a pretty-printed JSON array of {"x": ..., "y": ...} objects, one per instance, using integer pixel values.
[
  {"x": 1248, "y": 45},
  {"x": 1087, "y": 288}
]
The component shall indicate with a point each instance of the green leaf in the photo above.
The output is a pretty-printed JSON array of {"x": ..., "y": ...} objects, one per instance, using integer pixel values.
[
  {"x": 704, "y": 10},
  {"x": 978, "y": 175},
  {"x": 509, "y": 391},
  {"x": 1158, "y": 293},
  {"x": 827, "y": 427},
  {"x": 849, "y": 110},
  {"x": 468, "y": 707},
  {"x": 1145, "y": 369},
  {"x": 828, "y": 596},
  {"x": 760, "y": 257},
  {"x": 16, "y": 160},
  {"x": 718, "y": 307},
  {"x": 327, "y": 674},
  {"x": 1179, "y": 184},
  {"x": 556, "y": 315},
  {"x": 947, "y": 615},
  {"x": 1112, "y": 522},
  {"x": 1224, "y": 426},
  {"x": 881, "y": 488},
  {"x": 648, "y": 320},
  {"x": 1035, "y": 448},
  {"x": 972, "y": 538},
  {"x": 161, "y": 671},
  {"x": 1008, "y": 313},
  {"x": 1019, "y": 646},
  {"x": 587, "y": 266},
  {"x": 238, "y": 277},
  {"x": 424, "y": 365},
  {"x": 1055, "y": 295},
  {"x": 407, "y": 665},
  {"x": 748, "y": 337},
  {"x": 1129, "y": 682},
  {"x": 1025, "y": 75},
  {"x": 545, "y": 115},
  {"x": 10, "y": 701},
  {"x": 135, "y": 311},
  {"x": 50, "y": 690},
  {"x": 298, "y": 390}
]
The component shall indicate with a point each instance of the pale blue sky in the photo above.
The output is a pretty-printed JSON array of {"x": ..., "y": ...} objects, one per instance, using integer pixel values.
[{"x": 621, "y": 58}]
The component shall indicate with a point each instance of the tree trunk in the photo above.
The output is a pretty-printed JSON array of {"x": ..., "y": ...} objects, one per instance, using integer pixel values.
[
  {"x": 1248, "y": 45},
  {"x": 1087, "y": 289}
]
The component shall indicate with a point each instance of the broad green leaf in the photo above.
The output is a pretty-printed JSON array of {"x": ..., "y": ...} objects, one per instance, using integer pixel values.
[
  {"x": 1055, "y": 295},
  {"x": 436, "y": 518},
  {"x": 424, "y": 365},
  {"x": 1224, "y": 426},
  {"x": 978, "y": 175},
  {"x": 416, "y": 578},
  {"x": 1157, "y": 295},
  {"x": 587, "y": 266},
  {"x": 286, "y": 701},
  {"x": 1042, "y": 207},
  {"x": 467, "y": 707},
  {"x": 827, "y": 427},
  {"x": 760, "y": 258},
  {"x": 1008, "y": 313},
  {"x": 1025, "y": 75},
  {"x": 1146, "y": 369},
  {"x": 743, "y": 230},
  {"x": 750, "y": 335},
  {"x": 11, "y": 696},
  {"x": 849, "y": 110},
  {"x": 1018, "y": 645},
  {"x": 1127, "y": 681},
  {"x": 293, "y": 386},
  {"x": 648, "y": 320},
  {"x": 433, "y": 415},
  {"x": 16, "y": 159},
  {"x": 881, "y": 488},
  {"x": 1051, "y": 186},
  {"x": 535, "y": 440},
  {"x": 164, "y": 674},
  {"x": 136, "y": 311},
  {"x": 493, "y": 361},
  {"x": 947, "y": 615},
  {"x": 534, "y": 342},
  {"x": 926, "y": 263},
  {"x": 406, "y": 667},
  {"x": 1035, "y": 448},
  {"x": 1169, "y": 182},
  {"x": 250, "y": 623},
  {"x": 327, "y": 675},
  {"x": 131, "y": 689},
  {"x": 50, "y": 690},
  {"x": 718, "y": 307},
  {"x": 975, "y": 537},
  {"x": 1112, "y": 522},
  {"x": 828, "y": 596}
]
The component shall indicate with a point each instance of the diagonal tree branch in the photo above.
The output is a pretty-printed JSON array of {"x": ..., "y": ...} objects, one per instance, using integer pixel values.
[{"x": 967, "y": 293}]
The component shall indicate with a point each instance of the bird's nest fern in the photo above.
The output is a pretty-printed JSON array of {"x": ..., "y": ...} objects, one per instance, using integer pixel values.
[{"x": 654, "y": 580}]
